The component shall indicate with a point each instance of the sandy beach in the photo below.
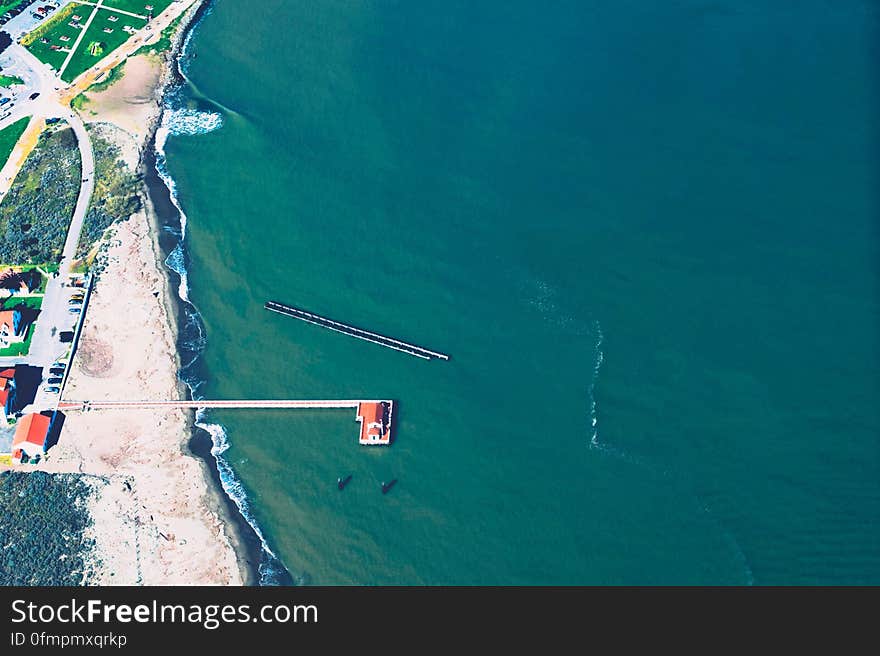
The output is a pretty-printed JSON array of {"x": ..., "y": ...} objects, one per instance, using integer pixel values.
[
  {"x": 158, "y": 517},
  {"x": 158, "y": 521},
  {"x": 131, "y": 102}
]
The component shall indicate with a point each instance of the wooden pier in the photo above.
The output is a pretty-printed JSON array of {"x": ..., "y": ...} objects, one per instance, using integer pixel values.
[
  {"x": 205, "y": 403},
  {"x": 354, "y": 331},
  {"x": 375, "y": 416}
]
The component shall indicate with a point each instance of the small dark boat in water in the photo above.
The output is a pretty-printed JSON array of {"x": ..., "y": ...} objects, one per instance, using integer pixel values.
[
  {"x": 342, "y": 482},
  {"x": 388, "y": 486}
]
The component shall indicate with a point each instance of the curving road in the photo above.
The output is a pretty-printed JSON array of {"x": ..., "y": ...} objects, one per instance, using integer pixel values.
[
  {"x": 46, "y": 346},
  {"x": 52, "y": 100}
]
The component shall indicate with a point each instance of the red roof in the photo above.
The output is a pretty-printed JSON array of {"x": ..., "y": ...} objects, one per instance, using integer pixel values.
[
  {"x": 6, "y": 317},
  {"x": 32, "y": 429},
  {"x": 374, "y": 429},
  {"x": 9, "y": 373}
]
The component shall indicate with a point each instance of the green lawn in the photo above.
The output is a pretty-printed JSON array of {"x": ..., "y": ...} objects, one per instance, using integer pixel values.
[
  {"x": 83, "y": 59},
  {"x": 9, "y": 80},
  {"x": 19, "y": 348},
  {"x": 6, "y": 5},
  {"x": 9, "y": 136},
  {"x": 56, "y": 28},
  {"x": 34, "y": 302},
  {"x": 139, "y": 6}
]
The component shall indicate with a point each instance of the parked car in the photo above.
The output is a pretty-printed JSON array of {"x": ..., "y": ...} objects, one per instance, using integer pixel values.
[
  {"x": 59, "y": 365},
  {"x": 52, "y": 389},
  {"x": 57, "y": 371},
  {"x": 75, "y": 301},
  {"x": 34, "y": 95},
  {"x": 54, "y": 381},
  {"x": 76, "y": 309}
]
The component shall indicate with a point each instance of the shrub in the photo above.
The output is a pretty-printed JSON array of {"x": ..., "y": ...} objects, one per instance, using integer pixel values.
[
  {"x": 42, "y": 528},
  {"x": 115, "y": 196},
  {"x": 36, "y": 212}
]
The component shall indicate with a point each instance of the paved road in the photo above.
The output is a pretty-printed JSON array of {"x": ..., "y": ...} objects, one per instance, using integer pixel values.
[
  {"x": 53, "y": 101},
  {"x": 55, "y": 317}
]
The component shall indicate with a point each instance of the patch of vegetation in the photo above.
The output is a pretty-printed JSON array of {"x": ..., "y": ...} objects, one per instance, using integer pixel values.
[
  {"x": 164, "y": 42},
  {"x": 114, "y": 75},
  {"x": 9, "y": 80},
  {"x": 36, "y": 212},
  {"x": 115, "y": 196},
  {"x": 79, "y": 102},
  {"x": 6, "y": 5},
  {"x": 82, "y": 266},
  {"x": 19, "y": 348},
  {"x": 9, "y": 136},
  {"x": 13, "y": 302},
  {"x": 43, "y": 528}
]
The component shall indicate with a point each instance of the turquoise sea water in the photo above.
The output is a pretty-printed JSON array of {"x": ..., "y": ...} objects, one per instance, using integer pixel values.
[{"x": 647, "y": 233}]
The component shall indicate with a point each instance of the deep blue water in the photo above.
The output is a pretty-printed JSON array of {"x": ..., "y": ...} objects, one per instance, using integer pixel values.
[{"x": 646, "y": 232}]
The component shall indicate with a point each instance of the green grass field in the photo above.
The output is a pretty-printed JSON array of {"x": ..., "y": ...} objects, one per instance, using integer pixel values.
[
  {"x": 139, "y": 6},
  {"x": 83, "y": 59},
  {"x": 6, "y": 5},
  {"x": 34, "y": 302},
  {"x": 20, "y": 348},
  {"x": 54, "y": 30},
  {"x": 9, "y": 137},
  {"x": 58, "y": 28},
  {"x": 9, "y": 80}
]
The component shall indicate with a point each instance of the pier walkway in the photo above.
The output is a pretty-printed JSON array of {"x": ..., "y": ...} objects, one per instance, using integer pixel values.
[
  {"x": 205, "y": 403},
  {"x": 354, "y": 331},
  {"x": 375, "y": 417}
]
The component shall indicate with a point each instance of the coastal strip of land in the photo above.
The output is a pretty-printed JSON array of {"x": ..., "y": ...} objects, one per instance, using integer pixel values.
[{"x": 158, "y": 518}]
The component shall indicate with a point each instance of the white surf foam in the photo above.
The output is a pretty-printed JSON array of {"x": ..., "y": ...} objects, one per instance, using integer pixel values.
[
  {"x": 597, "y": 366},
  {"x": 233, "y": 487},
  {"x": 183, "y": 121}
]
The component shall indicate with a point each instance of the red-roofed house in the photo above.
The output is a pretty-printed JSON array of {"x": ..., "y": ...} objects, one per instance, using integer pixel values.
[
  {"x": 375, "y": 421},
  {"x": 29, "y": 443}
]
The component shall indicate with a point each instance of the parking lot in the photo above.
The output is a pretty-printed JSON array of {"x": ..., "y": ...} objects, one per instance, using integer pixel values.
[{"x": 23, "y": 18}]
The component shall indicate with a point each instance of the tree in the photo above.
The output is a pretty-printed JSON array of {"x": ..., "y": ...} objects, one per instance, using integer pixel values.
[{"x": 11, "y": 280}]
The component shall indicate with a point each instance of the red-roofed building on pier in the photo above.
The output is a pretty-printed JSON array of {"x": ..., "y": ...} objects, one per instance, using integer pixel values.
[{"x": 375, "y": 420}]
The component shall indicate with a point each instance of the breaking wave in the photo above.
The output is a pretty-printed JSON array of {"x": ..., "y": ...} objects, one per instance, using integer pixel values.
[
  {"x": 178, "y": 119},
  {"x": 594, "y": 412},
  {"x": 614, "y": 452},
  {"x": 188, "y": 121},
  {"x": 272, "y": 572}
]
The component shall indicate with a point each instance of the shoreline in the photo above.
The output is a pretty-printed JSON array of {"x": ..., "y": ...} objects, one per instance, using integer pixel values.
[
  {"x": 163, "y": 213},
  {"x": 162, "y": 518},
  {"x": 169, "y": 511},
  {"x": 245, "y": 542}
]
